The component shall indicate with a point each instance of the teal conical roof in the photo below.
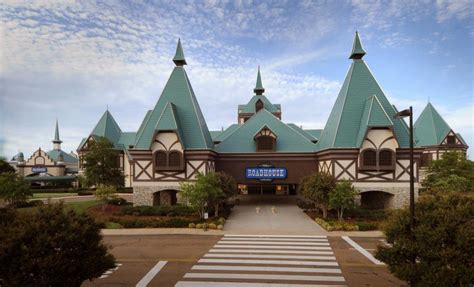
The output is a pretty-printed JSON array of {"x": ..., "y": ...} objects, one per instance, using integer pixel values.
[
  {"x": 107, "y": 127},
  {"x": 430, "y": 128},
  {"x": 56, "y": 134},
  {"x": 259, "y": 90},
  {"x": 179, "y": 59},
  {"x": 357, "y": 50},
  {"x": 185, "y": 111},
  {"x": 345, "y": 121}
]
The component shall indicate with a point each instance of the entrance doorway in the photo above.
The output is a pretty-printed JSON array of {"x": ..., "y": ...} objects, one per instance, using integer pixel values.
[{"x": 267, "y": 189}]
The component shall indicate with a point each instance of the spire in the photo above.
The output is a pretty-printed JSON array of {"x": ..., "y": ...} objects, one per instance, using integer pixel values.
[
  {"x": 57, "y": 142},
  {"x": 179, "y": 59},
  {"x": 259, "y": 90},
  {"x": 357, "y": 50}
]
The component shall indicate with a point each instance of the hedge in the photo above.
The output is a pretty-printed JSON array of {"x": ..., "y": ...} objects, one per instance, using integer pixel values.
[
  {"x": 144, "y": 223},
  {"x": 174, "y": 210}
]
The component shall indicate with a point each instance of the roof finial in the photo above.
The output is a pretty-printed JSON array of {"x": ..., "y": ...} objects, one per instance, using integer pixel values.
[
  {"x": 179, "y": 59},
  {"x": 56, "y": 134},
  {"x": 107, "y": 107},
  {"x": 357, "y": 50},
  {"x": 259, "y": 90}
]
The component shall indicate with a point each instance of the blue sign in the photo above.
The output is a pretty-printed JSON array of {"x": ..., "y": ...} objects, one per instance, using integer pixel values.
[
  {"x": 39, "y": 169},
  {"x": 266, "y": 173}
]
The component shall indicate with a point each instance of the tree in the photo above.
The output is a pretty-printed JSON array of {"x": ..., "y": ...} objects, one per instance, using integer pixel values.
[
  {"x": 5, "y": 167},
  {"x": 13, "y": 188},
  {"x": 202, "y": 193},
  {"x": 443, "y": 242},
  {"x": 51, "y": 247},
  {"x": 453, "y": 172},
  {"x": 342, "y": 197},
  {"x": 105, "y": 193},
  {"x": 228, "y": 186},
  {"x": 316, "y": 188},
  {"x": 101, "y": 165}
]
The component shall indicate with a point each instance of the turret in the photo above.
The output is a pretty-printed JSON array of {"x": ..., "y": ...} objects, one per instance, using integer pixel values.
[{"x": 56, "y": 142}]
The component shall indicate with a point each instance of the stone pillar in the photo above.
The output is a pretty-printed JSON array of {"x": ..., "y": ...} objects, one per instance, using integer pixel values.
[{"x": 143, "y": 195}]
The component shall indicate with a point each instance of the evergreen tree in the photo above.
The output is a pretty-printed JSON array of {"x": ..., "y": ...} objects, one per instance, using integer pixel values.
[{"x": 5, "y": 167}]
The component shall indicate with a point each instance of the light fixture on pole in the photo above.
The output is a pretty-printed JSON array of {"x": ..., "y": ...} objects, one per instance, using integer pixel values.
[{"x": 402, "y": 114}]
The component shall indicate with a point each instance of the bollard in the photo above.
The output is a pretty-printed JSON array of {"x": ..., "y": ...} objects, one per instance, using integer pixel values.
[
  {"x": 274, "y": 210},
  {"x": 257, "y": 209}
]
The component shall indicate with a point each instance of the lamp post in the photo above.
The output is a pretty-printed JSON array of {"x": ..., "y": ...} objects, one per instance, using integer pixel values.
[{"x": 402, "y": 114}]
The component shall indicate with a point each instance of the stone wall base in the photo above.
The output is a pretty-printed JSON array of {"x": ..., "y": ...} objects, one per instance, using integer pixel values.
[
  {"x": 154, "y": 195},
  {"x": 389, "y": 196}
]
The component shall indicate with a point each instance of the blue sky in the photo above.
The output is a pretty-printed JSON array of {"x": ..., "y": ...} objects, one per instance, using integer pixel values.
[{"x": 69, "y": 60}]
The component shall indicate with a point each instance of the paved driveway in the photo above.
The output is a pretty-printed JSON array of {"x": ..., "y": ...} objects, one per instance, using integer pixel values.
[{"x": 270, "y": 215}]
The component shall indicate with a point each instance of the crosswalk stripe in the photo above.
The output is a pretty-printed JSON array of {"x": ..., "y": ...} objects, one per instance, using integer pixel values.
[
  {"x": 272, "y": 242},
  {"x": 272, "y": 262},
  {"x": 265, "y": 277},
  {"x": 225, "y": 250},
  {"x": 245, "y": 284},
  {"x": 270, "y": 256},
  {"x": 273, "y": 247},
  {"x": 277, "y": 239},
  {"x": 276, "y": 236},
  {"x": 151, "y": 274},
  {"x": 267, "y": 268}
]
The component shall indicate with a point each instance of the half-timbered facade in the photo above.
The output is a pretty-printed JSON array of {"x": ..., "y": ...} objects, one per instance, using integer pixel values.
[{"x": 362, "y": 141}]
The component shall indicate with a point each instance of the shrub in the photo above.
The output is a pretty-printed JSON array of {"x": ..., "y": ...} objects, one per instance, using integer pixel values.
[
  {"x": 442, "y": 245},
  {"x": 221, "y": 221},
  {"x": 117, "y": 201},
  {"x": 220, "y": 226},
  {"x": 304, "y": 204},
  {"x": 13, "y": 188},
  {"x": 336, "y": 225},
  {"x": 205, "y": 226},
  {"x": 192, "y": 225},
  {"x": 49, "y": 247},
  {"x": 212, "y": 226},
  {"x": 143, "y": 223},
  {"x": 85, "y": 192},
  {"x": 365, "y": 226},
  {"x": 199, "y": 225},
  {"x": 174, "y": 210}
]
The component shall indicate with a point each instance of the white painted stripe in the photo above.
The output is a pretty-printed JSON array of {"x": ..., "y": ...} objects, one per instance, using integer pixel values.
[
  {"x": 270, "y": 256},
  {"x": 276, "y": 239},
  {"x": 265, "y": 277},
  {"x": 151, "y": 274},
  {"x": 267, "y": 268},
  {"x": 244, "y": 284},
  {"x": 362, "y": 250},
  {"x": 225, "y": 250},
  {"x": 261, "y": 235},
  {"x": 270, "y": 262},
  {"x": 279, "y": 243},
  {"x": 273, "y": 247}
]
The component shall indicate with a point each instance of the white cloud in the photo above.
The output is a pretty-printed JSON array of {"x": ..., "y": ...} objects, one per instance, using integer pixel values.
[{"x": 460, "y": 9}]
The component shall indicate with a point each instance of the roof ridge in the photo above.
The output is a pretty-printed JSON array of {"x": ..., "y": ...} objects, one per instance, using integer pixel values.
[
  {"x": 351, "y": 68},
  {"x": 383, "y": 109},
  {"x": 432, "y": 122}
]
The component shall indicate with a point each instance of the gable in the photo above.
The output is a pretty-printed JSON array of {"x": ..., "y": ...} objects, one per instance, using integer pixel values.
[
  {"x": 242, "y": 139},
  {"x": 430, "y": 128}
]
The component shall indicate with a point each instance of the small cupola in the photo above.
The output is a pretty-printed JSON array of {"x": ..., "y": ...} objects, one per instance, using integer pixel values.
[
  {"x": 179, "y": 59},
  {"x": 259, "y": 90},
  {"x": 56, "y": 141},
  {"x": 357, "y": 50}
]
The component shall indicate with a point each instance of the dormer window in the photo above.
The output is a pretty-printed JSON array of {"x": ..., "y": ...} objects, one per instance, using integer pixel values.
[
  {"x": 265, "y": 140},
  {"x": 258, "y": 105},
  {"x": 372, "y": 159},
  {"x": 369, "y": 158},
  {"x": 166, "y": 161},
  {"x": 161, "y": 160},
  {"x": 451, "y": 140}
]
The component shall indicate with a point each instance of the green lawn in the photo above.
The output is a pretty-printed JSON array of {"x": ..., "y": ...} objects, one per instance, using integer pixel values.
[
  {"x": 46, "y": 195},
  {"x": 79, "y": 207}
]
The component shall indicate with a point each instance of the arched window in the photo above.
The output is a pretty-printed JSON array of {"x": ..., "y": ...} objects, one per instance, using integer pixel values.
[
  {"x": 258, "y": 105},
  {"x": 369, "y": 158},
  {"x": 385, "y": 157},
  {"x": 265, "y": 143},
  {"x": 161, "y": 160},
  {"x": 174, "y": 159}
]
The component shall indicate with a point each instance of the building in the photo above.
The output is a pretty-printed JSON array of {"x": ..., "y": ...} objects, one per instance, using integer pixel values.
[
  {"x": 362, "y": 141},
  {"x": 42, "y": 167}
]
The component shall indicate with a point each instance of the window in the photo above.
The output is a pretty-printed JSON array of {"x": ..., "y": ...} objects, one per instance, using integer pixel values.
[
  {"x": 175, "y": 159},
  {"x": 426, "y": 159},
  {"x": 258, "y": 105},
  {"x": 369, "y": 158},
  {"x": 265, "y": 143},
  {"x": 168, "y": 160},
  {"x": 161, "y": 160},
  {"x": 385, "y": 158},
  {"x": 451, "y": 140}
]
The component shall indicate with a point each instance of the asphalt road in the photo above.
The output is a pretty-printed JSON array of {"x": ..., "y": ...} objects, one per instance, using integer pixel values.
[{"x": 167, "y": 260}]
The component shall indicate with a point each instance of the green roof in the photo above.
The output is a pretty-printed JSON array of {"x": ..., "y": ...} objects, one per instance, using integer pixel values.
[
  {"x": 215, "y": 134},
  {"x": 346, "y": 118},
  {"x": 126, "y": 139},
  {"x": 461, "y": 139},
  {"x": 250, "y": 106},
  {"x": 242, "y": 138},
  {"x": 56, "y": 134},
  {"x": 374, "y": 115},
  {"x": 357, "y": 50},
  {"x": 227, "y": 132},
  {"x": 187, "y": 114},
  {"x": 316, "y": 133},
  {"x": 108, "y": 128},
  {"x": 430, "y": 128},
  {"x": 258, "y": 85},
  {"x": 303, "y": 132},
  {"x": 178, "y": 58},
  {"x": 54, "y": 154}
]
